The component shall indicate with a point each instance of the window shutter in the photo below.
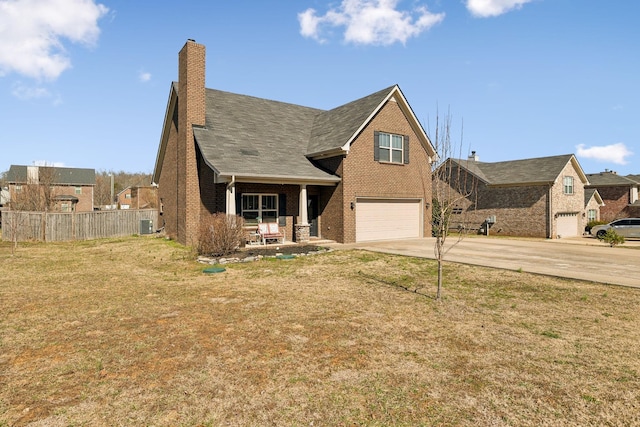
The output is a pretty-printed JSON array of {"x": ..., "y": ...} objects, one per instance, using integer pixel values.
[
  {"x": 282, "y": 209},
  {"x": 376, "y": 146},
  {"x": 406, "y": 149}
]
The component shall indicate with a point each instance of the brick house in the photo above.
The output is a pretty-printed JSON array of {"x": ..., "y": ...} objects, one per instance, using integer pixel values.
[
  {"x": 138, "y": 197},
  {"x": 592, "y": 204},
  {"x": 619, "y": 194},
  {"x": 123, "y": 198},
  {"x": 540, "y": 197},
  {"x": 71, "y": 189},
  {"x": 358, "y": 172}
]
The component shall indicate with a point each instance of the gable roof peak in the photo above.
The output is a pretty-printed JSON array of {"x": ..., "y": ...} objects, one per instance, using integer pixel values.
[{"x": 523, "y": 171}]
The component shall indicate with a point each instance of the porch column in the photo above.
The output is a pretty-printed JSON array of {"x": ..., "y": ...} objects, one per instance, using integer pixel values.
[
  {"x": 231, "y": 198},
  {"x": 304, "y": 217},
  {"x": 302, "y": 228}
]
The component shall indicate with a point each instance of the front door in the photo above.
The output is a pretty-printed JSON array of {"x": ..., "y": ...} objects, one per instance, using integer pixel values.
[{"x": 312, "y": 215}]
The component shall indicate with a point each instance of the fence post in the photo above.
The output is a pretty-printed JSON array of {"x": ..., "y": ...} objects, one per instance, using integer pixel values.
[{"x": 43, "y": 224}]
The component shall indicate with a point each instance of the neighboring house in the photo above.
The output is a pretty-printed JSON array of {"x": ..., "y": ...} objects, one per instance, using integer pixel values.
[
  {"x": 619, "y": 194},
  {"x": 71, "y": 189},
  {"x": 592, "y": 204},
  {"x": 4, "y": 196},
  {"x": 358, "y": 172},
  {"x": 123, "y": 198},
  {"x": 4, "y": 200},
  {"x": 138, "y": 197},
  {"x": 541, "y": 197}
]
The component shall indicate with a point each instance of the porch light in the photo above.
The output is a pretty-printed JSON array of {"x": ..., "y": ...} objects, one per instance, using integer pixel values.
[{"x": 352, "y": 205}]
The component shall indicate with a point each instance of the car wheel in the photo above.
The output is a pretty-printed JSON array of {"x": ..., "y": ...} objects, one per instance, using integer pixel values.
[{"x": 600, "y": 234}]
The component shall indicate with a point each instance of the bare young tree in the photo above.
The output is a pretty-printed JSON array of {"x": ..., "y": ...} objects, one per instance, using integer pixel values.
[
  {"x": 453, "y": 192},
  {"x": 37, "y": 194}
]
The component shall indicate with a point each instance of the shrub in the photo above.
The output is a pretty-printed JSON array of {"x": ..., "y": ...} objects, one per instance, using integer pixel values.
[
  {"x": 613, "y": 238},
  {"x": 220, "y": 234},
  {"x": 592, "y": 224}
]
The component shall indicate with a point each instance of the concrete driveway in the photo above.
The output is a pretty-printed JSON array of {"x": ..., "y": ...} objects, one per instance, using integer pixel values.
[{"x": 583, "y": 258}]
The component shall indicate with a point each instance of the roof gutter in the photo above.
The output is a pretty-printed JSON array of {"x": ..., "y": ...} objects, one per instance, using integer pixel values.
[
  {"x": 276, "y": 179},
  {"x": 329, "y": 153}
]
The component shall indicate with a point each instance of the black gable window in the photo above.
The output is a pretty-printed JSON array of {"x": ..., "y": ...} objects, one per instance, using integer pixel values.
[{"x": 391, "y": 148}]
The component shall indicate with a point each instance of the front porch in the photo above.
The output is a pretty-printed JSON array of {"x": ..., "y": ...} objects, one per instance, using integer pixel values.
[{"x": 290, "y": 211}]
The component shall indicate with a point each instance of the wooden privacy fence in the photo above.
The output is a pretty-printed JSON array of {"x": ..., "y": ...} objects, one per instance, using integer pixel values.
[{"x": 63, "y": 226}]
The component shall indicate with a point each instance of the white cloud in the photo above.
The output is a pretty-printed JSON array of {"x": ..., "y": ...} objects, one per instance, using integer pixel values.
[
  {"x": 489, "y": 8},
  {"x": 375, "y": 22},
  {"x": 614, "y": 153},
  {"x": 25, "y": 92},
  {"x": 32, "y": 34},
  {"x": 144, "y": 77},
  {"x": 28, "y": 92}
]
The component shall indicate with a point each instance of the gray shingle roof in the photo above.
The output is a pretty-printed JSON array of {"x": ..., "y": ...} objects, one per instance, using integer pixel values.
[
  {"x": 588, "y": 194},
  {"x": 62, "y": 176},
  {"x": 333, "y": 128},
  {"x": 248, "y": 136},
  {"x": 518, "y": 172},
  {"x": 609, "y": 179}
]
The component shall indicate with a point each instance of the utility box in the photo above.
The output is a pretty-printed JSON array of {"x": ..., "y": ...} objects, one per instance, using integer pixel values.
[
  {"x": 491, "y": 219},
  {"x": 146, "y": 226}
]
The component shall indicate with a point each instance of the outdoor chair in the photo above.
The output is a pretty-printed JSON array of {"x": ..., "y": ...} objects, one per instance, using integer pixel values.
[{"x": 270, "y": 232}]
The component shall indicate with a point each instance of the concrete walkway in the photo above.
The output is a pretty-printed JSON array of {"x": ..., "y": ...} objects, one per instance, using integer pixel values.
[{"x": 583, "y": 258}]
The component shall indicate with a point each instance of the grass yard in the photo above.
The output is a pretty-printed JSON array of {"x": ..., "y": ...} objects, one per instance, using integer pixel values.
[{"x": 131, "y": 332}]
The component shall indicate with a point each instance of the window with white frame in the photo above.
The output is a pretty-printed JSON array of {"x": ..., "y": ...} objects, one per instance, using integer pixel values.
[
  {"x": 78, "y": 190},
  {"x": 591, "y": 215},
  {"x": 259, "y": 208},
  {"x": 568, "y": 184},
  {"x": 390, "y": 147}
]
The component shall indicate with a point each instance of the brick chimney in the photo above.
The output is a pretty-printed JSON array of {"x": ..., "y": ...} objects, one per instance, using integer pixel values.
[{"x": 191, "y": 111}]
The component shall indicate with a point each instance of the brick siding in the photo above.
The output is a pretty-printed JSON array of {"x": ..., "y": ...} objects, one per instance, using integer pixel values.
[
  {"x": 364, "y": 177},
  {"x": 616, "y": 201},
  {"x": 523, "y": 211},
  {"x": 168, "y": 183},
  {"x": 191, "y": 111}
]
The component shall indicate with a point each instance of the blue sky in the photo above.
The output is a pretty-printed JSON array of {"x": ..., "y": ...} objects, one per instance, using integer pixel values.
[{"x": 85, "y": 83}]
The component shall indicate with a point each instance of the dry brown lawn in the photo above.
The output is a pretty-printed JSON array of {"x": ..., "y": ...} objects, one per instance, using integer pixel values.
[{"x": 131, "y": 332}]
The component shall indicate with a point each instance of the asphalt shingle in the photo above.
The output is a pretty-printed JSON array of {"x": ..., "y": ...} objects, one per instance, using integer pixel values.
[
  {"x": 518, "y": 172},
  {"x": 249, "y": 136}
]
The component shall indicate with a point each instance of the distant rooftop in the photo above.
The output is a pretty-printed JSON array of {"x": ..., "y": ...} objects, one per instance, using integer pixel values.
[{"x": 18, "y": 174}]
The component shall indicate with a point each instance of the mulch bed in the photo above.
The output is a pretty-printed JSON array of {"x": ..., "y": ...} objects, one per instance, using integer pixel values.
[{"x": 273, "y": 250}]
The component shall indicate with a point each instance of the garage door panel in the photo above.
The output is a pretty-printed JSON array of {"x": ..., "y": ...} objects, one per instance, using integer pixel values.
[
  {"x": 567, "y": 225},
  {"x": 387, "y": 219}
]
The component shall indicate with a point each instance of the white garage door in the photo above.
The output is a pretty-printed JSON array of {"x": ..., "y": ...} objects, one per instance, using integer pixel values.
[
  {"x": 387, "y": 219},
  {"x": 567, "y": 225}
]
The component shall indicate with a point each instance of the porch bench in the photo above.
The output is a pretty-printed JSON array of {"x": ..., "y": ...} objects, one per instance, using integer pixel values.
[{"x": 270, "y": 231}]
